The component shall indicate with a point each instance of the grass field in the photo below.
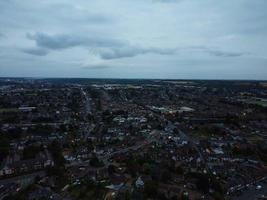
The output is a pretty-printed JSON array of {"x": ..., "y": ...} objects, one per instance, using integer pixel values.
[{"x": 5, "y": 110}]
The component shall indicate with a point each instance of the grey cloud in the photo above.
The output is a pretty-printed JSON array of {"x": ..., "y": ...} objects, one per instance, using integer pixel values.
[
  {"x": 225, "y": 53},
  {"x": 216, "y": 52},
  {"x": 167, "y": 1},
  {"x": 130, "y": 51},
  {"x": 98, "y": 19},
  {"x": 36, "y": 51},
  {"x": 108, "y": 48},
  {"x": 115, "y": 53},
  {"x": 96, "y": 67},
  {"x": 56, "y": 42}
]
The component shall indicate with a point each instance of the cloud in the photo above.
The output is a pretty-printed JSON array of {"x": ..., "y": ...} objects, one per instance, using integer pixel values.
[
  {"x": 106, "y": 48},
  {"x": 132, "y": 51},
  {"x": 167, "y": 1},
  {"x": 36, "y": 51},
  {"x": 98, "y": 19},
  {"x": 133, "y": 34},
  {"x": 109, "y": 48},
  {"x": 129, "y": 51},
  {"x": 225, "y": 53},
  {"x": 96, "y": 67},
  {"x": 57, "y": 42},
  {"x": 215, "y": 51}
]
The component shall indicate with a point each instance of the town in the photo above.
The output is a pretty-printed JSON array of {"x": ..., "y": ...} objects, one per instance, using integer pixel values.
[{"x": 77, "y": 139}]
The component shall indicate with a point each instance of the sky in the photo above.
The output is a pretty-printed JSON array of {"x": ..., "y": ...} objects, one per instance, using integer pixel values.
[{"x": 167, "y": 39}]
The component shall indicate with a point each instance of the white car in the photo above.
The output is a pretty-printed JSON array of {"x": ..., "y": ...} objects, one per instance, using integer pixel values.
[{"x": 258, "y": 187}]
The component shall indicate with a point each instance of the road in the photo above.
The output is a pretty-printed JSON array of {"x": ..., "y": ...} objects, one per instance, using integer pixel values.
[
  {"x": 87, "y": 101},
  {"x": 243, "y": 187},
  {"x": 23, "y": 179},
  {"x": 87, "y": 110},
  {"x": 104, "y": 158},
  {"x": 11, "y": 185},
  {"x": 252, "y": 193},
  {"x": 45, "y": 124},
  {"x": 132, "y": 148}
]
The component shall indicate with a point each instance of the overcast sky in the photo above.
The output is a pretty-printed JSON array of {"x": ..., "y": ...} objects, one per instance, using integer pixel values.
[{"x": 183, "y": 39}]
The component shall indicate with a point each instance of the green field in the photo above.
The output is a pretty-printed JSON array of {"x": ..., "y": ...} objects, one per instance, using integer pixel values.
[{"x": 5, "y": 110}]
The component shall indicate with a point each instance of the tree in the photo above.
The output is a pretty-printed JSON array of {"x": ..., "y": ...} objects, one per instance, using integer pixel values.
[
  {"x": 111, "y": 169},
  {"x": 127, "y": 195},
  {"x": 4, "y": 146},
  {"x": 56, "y": 151},
  {"x": 184, "y": 196},
  {"x": 151, "y": 189},
  {"x": 179, "y": 170},
  {"x": 147, "y": 168},
  {"x": 31, "y": 151},
  {"x": 203, "y": 183},
  {"x": 95, "y": 162},
  {"x": 165, "y": 176},
  {"x": 63, "y": 128}
]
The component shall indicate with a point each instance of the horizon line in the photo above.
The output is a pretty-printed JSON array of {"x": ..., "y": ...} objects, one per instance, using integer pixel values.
[{"x": 114, "y": 78}]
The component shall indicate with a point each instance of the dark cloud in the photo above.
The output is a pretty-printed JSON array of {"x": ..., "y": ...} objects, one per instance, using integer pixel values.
[
  {"x": 115, "y": 53},
  {"x": 56, "y": 42},
  {"x": 106, "y": 48},
  {"x": 215, "y": 51},
  {"x": 225, "y": 53},
  {"x": 36, "y": 51}
]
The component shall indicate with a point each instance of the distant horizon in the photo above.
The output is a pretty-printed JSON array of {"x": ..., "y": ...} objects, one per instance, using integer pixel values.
[{"x": 161, "y": 79}]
